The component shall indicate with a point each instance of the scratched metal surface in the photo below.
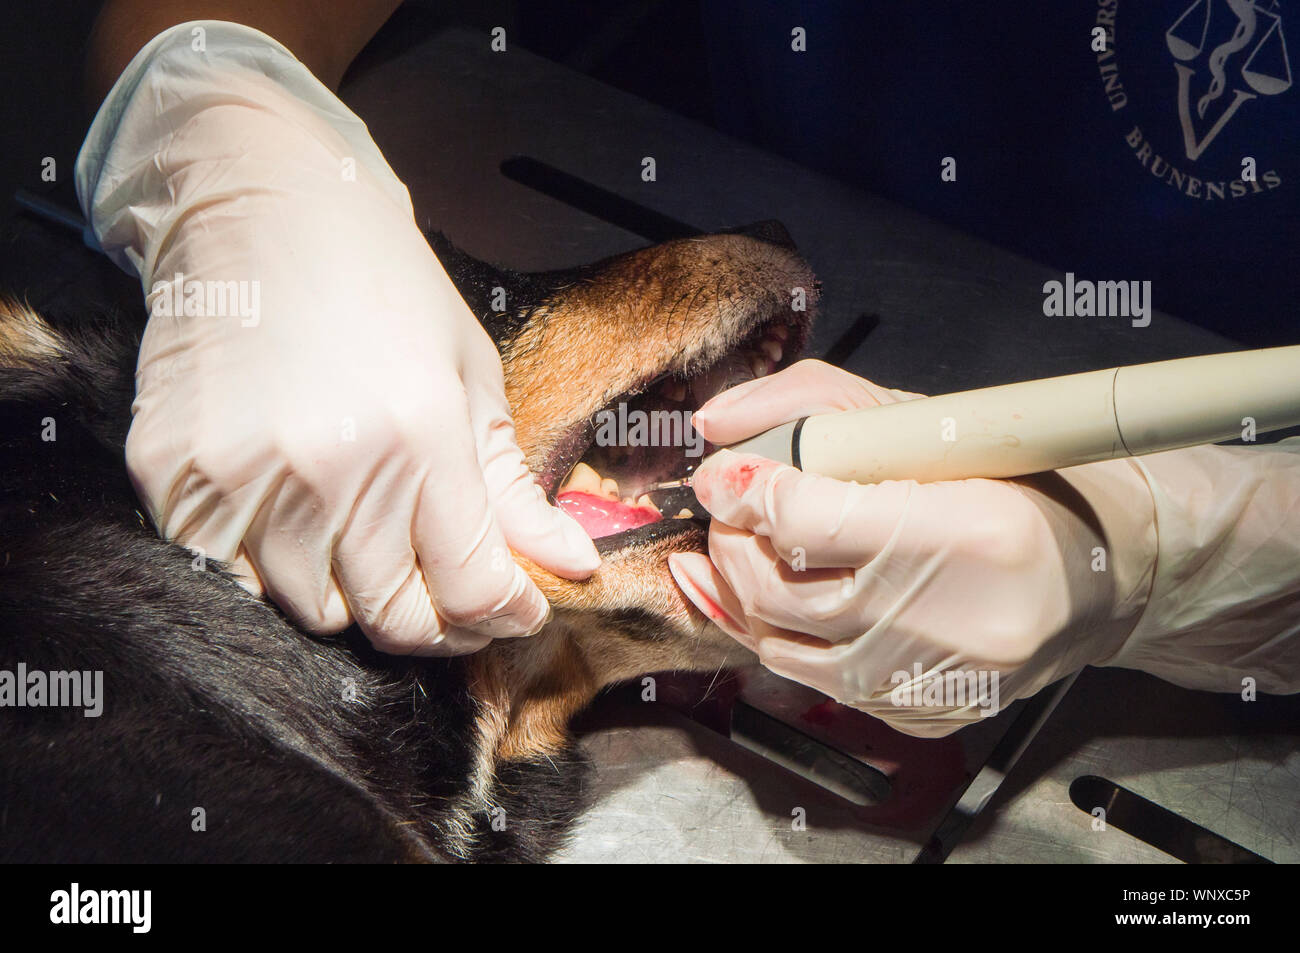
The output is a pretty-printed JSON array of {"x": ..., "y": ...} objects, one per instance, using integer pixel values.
[
  {"x": 953, "y": 313},
  {"x": 1226, "y": 764},
  {"x": 667, "y": 789}
]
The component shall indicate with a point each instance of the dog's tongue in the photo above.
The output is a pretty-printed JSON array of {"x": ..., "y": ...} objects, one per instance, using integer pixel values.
[{"x": 602, "y": 517}]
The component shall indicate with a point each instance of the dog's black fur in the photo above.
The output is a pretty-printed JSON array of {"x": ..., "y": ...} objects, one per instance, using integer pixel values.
[{"x": 295, "y": 749}]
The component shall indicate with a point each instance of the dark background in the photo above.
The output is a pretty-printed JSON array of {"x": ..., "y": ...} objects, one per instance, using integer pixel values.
[{"x": 885, "y": 90}]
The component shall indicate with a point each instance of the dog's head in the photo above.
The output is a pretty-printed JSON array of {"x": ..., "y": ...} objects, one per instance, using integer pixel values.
[
  {"x": 379, "y": 756},
  {"x": 603, "y": 366}
]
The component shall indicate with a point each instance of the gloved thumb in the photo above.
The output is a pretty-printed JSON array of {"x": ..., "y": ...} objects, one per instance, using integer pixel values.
[
  {"x": 808, "y": 387},
  {"x": 531, "y": 526}
]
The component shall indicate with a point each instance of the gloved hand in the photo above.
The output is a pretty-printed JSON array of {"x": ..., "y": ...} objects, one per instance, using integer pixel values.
[
  {"x": 874, "y": 594},
  {"x": 315, "y": 402}
]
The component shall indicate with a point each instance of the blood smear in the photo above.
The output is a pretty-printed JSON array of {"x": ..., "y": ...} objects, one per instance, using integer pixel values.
[{"x": 602, "y": 517}]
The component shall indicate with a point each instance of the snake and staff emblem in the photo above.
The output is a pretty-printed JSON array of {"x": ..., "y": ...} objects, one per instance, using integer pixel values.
[{"x": 1241, "y": 28}]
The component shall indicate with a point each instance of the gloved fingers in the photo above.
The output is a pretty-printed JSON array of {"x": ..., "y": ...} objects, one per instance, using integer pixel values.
[
  {"x": 233, "y": 527},
  {"x": 186, "y": 503},
  {"x": 472, "y": 576},
  {"x": 825, "y": 667},
  {"x": 400, "y": 619},
  {"x": 955, "y": 691},
  {"x": 919, "y": 683},
  {"x": 288, "y": 544},
  {"x": 241, "y": 567},
  {"x": 819, "y": 666},
  {"x": 294, "y": 577},
  {"x": 833, "y": 669},
  {"x": 814, "y": 522},
  {"x": 897, "y": 698},
  {"x": 382, "y": 580},
  {"x": 246, "y": 504},
  {"x": 833, "y": 605},
  {"x": 807, "y": 387},
  {"x": 860, "y": 672},
  {"x": 950, "y": 561},
  {"x": 532, "y": 527},
  {"x": 920, "y": 722},
  {"x": 709, "y": 592},
  {"x": 704, "y": 586}
]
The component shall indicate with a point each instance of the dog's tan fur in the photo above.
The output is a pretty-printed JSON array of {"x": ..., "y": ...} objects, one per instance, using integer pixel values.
[
  {"x": 25, "y": 338},
  {"x": 676, "y": 306},
  {"x": 531, "y": 688},
  {"x": 680, "y": 303}
]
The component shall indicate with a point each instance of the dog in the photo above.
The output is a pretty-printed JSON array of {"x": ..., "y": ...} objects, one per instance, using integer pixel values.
[{"x": 228, "y": 735}]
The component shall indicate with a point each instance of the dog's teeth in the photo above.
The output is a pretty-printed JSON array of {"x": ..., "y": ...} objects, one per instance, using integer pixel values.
[
  {"x": 758, "y": 366},
  {"x": 685, "y": 514},
  {"x": 609, "y": 489},
  {"x": 583, "y": 479},
  {"x": 645, "y": 502},
  {"x": 772, "y": 349}
]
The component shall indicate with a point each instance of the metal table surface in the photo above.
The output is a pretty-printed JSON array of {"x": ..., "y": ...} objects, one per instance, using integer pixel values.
[{"x": 946, "y": 312}]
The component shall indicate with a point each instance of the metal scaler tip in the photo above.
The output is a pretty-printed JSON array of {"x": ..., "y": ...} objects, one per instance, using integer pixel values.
[
  {"x": 674, "y": 496},
  {"x": 682, "y": 484}
]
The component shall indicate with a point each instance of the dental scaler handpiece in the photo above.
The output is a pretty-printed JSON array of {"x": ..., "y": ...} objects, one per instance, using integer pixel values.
[{"x": 1017, "y": 429}]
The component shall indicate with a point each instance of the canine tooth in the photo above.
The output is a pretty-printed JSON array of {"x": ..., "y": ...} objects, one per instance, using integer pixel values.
[
  {"x": 685, "y": 514},
  {"x": 609, "y": 488},
  {"x": 644, "y": 501},
  {"x": 772, "y": 349},
  {"x": 758, "y": 366},
  {"x": 583, "y": 479}
]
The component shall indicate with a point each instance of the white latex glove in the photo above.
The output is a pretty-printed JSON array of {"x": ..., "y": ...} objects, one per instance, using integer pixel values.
[
  {"x": 840, "y": 586},
  {"x": 345, "y": 443}
]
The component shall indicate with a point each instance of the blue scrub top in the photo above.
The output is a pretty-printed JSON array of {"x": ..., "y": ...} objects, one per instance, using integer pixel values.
[{"x": 1121, "y": 164}]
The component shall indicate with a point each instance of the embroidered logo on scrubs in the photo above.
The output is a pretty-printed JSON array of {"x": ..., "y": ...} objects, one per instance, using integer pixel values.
[{"x": 1228, "y": 59}]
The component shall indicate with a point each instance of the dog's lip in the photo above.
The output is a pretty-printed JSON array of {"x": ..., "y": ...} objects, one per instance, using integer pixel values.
[
  {"x": 649, "y": 533},
  {"x": 568, "y": 450}
]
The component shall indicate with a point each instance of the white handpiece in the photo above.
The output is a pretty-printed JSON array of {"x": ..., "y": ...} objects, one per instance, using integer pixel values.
[{"x": 1018, "y": 429}]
